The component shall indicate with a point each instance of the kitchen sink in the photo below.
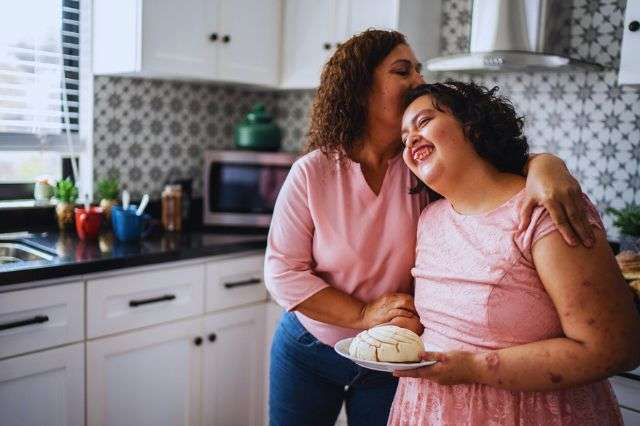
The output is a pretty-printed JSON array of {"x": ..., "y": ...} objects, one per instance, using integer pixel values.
[{"x": 14, "y": 252}]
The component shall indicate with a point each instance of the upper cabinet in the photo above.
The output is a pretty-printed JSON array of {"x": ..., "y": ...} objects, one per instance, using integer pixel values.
[
  {"x": 223, "y": 40},
  {"x": 313, "y": 29},
  {"x": 629, "y": 58}
]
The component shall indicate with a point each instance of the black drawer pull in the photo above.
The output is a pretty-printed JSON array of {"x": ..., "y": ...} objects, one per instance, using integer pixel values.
[
  {"x": 38, "y": 319},
  {"x": 135, "y": 303},
  {"x": 250, "y": 281}
]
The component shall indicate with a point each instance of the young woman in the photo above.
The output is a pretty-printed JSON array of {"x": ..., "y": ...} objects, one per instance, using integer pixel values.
[
  {"x": 342, "y": 238},
  {"x": 526, "y": 328}
]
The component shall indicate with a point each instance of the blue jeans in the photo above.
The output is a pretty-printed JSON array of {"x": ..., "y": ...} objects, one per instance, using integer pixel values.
[{"x": 309, "y": 381}]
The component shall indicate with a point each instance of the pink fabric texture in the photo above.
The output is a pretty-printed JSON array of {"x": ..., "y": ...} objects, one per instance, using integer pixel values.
[
  {"x": 330, "y": 229},
  {"x": 476, "y": 289}
]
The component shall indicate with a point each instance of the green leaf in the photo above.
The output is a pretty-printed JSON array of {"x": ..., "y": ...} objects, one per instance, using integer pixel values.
[
  {"x": 65, "y": 191},
  {"x": 627, "y": 219},
  {"x": 108, "y": 189}
]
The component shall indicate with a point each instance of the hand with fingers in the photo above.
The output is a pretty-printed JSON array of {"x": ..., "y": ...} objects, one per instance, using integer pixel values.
[
  {"x": 451, "y": 368},
  {"x": 396, "y": 308},
  {"x": 549, "y": 184}
]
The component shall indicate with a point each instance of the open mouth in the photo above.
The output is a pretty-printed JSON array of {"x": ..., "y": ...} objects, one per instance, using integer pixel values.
[{"x": 421, "y": 151}]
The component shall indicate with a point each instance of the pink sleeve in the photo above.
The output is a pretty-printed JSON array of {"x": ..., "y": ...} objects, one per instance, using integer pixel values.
[
  {"x": 542, "y": 225},
  {"x": 288, "y": 267}
]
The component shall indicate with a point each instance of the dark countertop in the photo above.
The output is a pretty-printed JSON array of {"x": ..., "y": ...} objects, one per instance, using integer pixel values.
[{"x": 76, "y": 257}]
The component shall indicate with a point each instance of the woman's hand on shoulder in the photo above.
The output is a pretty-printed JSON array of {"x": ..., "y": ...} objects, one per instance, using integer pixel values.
[{"x": 550, "y": 184}]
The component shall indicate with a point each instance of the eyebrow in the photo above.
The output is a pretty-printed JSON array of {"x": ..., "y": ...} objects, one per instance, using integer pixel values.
[{"x": 418, "y": 65}]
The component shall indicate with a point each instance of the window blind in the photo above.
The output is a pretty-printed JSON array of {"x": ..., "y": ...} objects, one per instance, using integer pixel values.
[{"x": 39, "y": 70}]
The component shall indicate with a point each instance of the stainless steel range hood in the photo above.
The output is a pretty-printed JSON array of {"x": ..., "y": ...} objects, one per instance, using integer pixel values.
[{"x": 516, "y": 35}]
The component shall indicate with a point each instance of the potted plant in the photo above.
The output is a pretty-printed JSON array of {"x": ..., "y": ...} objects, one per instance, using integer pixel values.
[
  {"x": 628, "y": 221},
  {"x": 108, "y": 191},
  {"x": 66, "y": 193}
]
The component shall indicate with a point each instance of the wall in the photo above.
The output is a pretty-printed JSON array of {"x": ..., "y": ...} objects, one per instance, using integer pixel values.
[{"x": 145, "y": 129}]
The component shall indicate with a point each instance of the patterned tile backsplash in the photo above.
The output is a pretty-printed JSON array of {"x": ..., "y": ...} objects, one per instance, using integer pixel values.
[{"x": 147, "y": 130}]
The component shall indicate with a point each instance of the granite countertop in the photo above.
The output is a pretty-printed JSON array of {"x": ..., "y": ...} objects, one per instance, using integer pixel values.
[{"x": 75, "y": 257}]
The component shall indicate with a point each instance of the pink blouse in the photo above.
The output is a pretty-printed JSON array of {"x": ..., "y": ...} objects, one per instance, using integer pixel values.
[{"x": 330, "y": 229}]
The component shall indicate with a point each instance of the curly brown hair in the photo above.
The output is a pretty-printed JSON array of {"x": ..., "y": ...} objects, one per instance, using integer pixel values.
[{"x": 340, "y": 108}]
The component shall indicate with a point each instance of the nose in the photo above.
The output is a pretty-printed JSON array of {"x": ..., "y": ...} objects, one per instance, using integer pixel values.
[
  {"x": 411, "y": 139},
  {"x": 416, "y": 79}
]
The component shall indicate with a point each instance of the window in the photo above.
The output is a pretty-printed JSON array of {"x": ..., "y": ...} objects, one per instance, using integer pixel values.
[{"x": 45, "y": 91}]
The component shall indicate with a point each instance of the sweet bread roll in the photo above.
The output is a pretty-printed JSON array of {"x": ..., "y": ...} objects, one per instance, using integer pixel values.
[
  {"x": 629, "y": 263},
  {"x": 387, "y": 343}
]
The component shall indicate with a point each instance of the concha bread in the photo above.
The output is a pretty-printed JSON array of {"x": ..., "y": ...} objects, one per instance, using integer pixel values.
[{"x": 387, "y": 343}]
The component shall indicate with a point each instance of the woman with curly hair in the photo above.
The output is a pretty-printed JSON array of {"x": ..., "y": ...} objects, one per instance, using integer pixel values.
[
  {"x": 342, "y": 239},
  {"x": 524, "y": 328}
]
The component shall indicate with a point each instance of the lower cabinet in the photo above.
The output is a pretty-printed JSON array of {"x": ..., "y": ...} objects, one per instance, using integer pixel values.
[
  {"x": 44, "y": 388},
  {"x": 233, "y": 367},
  {"x": 149, "y": 377},
  {"x": 207, "y": 370}
]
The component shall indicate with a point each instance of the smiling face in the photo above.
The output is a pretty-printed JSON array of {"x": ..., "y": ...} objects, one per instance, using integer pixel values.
[
  {"x": 393, "y": 78},
  {"x": 436, "y": 149}
]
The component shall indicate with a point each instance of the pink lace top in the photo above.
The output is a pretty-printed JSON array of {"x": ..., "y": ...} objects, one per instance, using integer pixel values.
[{"x": 477, "y": 289}]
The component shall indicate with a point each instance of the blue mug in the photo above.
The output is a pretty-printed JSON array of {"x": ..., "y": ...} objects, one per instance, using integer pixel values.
[{"x": 127, "y": 225}]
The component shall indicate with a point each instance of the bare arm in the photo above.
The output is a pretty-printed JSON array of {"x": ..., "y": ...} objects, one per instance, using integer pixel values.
[
  {"x": 335, "y": 307},
  {"x": 599, "y": 320}
]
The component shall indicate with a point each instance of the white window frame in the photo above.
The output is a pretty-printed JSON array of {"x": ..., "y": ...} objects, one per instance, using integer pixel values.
[{"x": 83, "y": 139}]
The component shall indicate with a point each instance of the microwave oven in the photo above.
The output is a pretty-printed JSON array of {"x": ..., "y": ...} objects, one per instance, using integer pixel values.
[{"x": 240, "y": 187}]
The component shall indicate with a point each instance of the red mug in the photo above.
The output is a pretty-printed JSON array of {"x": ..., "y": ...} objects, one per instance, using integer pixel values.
[{"x": 88, "y": 222}]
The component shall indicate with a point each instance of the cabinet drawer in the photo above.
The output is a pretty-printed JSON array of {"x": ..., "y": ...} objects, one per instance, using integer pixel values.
[
  {"x": 129, "y": 301},
  {"x": 235, "y": 282},
  {"x": 40, "y": 318},
  {"x": 630, "y": 417},
  {"x": 627, "y": 391}
]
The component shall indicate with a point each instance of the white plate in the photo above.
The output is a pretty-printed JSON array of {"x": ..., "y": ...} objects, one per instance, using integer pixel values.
[{"x": 342, "y": 348}]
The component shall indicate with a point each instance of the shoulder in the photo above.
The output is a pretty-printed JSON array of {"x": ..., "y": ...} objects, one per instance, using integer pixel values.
[{"x": 432, "y": 210}]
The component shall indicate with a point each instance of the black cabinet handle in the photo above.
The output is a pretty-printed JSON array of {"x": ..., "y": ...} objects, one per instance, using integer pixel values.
[
  {"x": 38, "y": 319},
  {"x": 226, "y": 38},
  {"x": 213, "y": 36},
  {"x": 327, "y": 46},
  {"x": 634, "y": 26},
  {"x": 212, "y": 337},
  {"x": 197, "y": 341},
  {"x": 250, "y": 281},
  {"x": 136, "y": 303}
]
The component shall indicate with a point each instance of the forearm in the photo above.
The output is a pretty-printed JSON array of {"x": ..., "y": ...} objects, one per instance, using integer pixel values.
[
  {"x": 543, "y": 160},
  {"x": 332, "y": 306},
  {"x": 545, "y": 365}
]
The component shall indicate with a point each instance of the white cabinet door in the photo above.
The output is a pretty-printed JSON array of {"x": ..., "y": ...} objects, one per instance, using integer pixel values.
[
  {"x": 629, "y": 58},
  {"x": 176, "y": 37},
  {"x": 233, "y": 367},
  {"x": 355, "y": 16},
  {"x": 44, "y": 388},
  {"x": 149, "y": 377},
  {"x": 250, "y": 40},
  {"x": 308, "y": 41}
]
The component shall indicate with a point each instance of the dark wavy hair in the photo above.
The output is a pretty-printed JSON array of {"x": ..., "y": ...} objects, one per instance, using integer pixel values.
[
  {"x": 340, "y": 108},
  {"x": 489, "y": 121}
]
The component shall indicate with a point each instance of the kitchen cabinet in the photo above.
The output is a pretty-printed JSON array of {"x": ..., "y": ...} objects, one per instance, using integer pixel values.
[
  {"x": 213, "y": 40},
  {"x": 124, "y": 300},
  {"x": 233, "y": 367},
  {"x": 41, "y": 318},
  {"x": 312, "y": 31},
  {"x": 149, "y": 377},
  {"x": 43, "y": 388},
  {"x": 629, "y": 59}
]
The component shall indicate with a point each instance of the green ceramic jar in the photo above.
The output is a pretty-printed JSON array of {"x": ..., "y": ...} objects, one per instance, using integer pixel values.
[{"x": 258, "y": 132}]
